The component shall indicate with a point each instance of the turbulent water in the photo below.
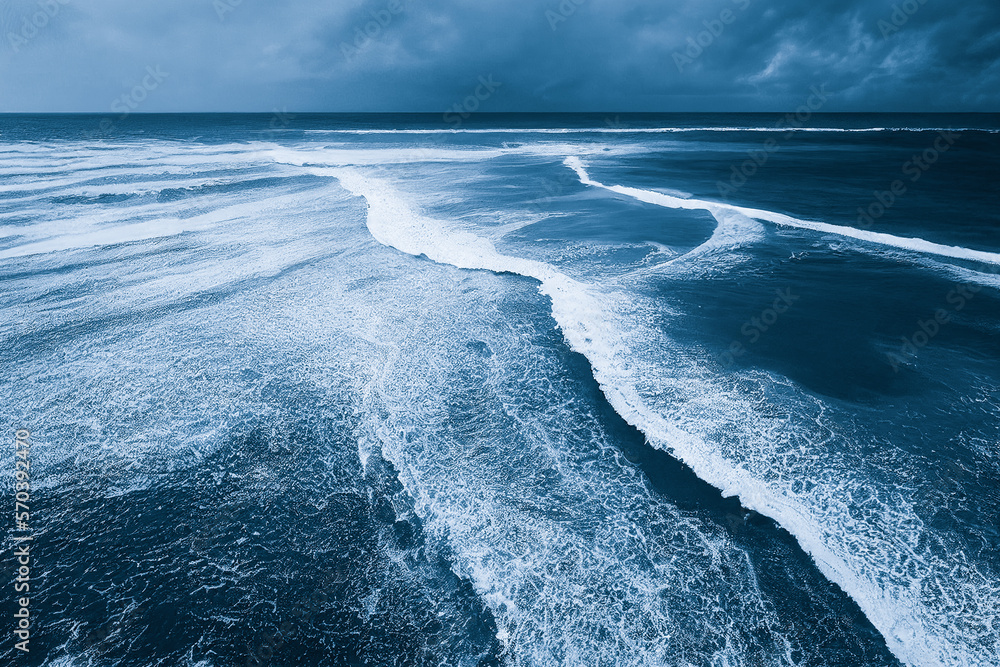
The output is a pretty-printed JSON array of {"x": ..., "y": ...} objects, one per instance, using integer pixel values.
[{"x": 676, "y": 390}]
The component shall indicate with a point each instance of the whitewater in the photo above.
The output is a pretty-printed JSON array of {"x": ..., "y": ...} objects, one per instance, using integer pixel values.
[
  {"x": 502, "y": 396},
  {"x": 915, "y": 629}
]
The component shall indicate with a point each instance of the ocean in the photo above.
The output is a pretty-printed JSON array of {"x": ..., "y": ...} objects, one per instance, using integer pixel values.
[{"x": 591, "y": 389}]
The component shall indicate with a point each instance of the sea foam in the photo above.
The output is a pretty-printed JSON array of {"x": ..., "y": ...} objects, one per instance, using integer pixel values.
[
  {"x": 914, "y": 625},
  {"x": 903, "y": 243}
]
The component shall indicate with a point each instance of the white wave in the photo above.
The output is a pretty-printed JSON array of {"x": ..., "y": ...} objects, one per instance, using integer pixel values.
[
  {"x": 734, "y": 231},
  {"x": 636, "y": 130},
  {"x": 880, "y": 238},
  {"x": 357, "y": 157},
  {"x": 598, "y": 588},
  {"x": 82, "y": 188},
  {"x": 380, "y": 156},
  {"x": 79, "y": 233},
  {"x": 911, "y": 607}
]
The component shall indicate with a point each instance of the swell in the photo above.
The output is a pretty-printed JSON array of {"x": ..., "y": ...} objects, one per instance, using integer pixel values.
[
  {"x": 880, "y": 238},
  {"x": 587, "y": 323},
  {"x": 639, "y": 130},
  {"x": 58, "y": 235}
]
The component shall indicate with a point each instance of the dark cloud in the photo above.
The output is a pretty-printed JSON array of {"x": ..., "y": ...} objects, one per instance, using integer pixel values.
[{"x": 426, "y": 55}]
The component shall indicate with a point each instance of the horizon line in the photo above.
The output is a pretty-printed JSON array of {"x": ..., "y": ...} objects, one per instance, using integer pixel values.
[{"x": 473, "y": 114}]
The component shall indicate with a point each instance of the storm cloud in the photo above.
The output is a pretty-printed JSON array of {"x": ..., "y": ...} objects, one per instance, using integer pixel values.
[{"x": 544, "y": 55}]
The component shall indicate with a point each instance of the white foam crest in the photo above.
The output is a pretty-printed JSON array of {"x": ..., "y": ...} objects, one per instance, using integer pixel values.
[
  {"x": 635, "y": 130},
  {"x": 80, "y": 187},
  {"x": 879, "y": 238},
  {"x": 140, "y": 231},
  {"x": 83, "y": 169},
  {"x": 69, "y": 222},
  {"x": 854, "y": 554},
  {"x": 519, "y": 569},
  {"x": 85, "y": 234},
  {"x": 83, "y": 155},
  {"x": 392, "y": 223},
  {"x": 734, "y": 231},
  {"x": 381, "y": 156},
  {"x": 67, "y": 164},
  {"x": 352, "y": 157}
]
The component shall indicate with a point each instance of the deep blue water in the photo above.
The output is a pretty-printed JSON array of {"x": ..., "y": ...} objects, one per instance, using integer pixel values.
[{"x": 536, "y": 390}]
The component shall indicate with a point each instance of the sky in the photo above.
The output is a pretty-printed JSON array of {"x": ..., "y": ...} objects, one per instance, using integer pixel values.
[{"x": 498, "y": 56}]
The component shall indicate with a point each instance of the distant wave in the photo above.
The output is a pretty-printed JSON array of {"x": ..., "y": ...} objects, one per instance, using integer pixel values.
[
  {"x": 266, "y": 239},
  {"x": 907, "y": 622},
  {"x": 639, "y": 130},
  {"x": 901, "y": 242}
]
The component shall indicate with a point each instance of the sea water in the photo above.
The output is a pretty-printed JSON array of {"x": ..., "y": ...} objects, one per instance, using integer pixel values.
[{"x": 533, "y": 390}]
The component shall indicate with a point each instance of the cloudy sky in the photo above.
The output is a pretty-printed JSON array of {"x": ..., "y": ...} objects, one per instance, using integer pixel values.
[{"x": 545, "y": 55}]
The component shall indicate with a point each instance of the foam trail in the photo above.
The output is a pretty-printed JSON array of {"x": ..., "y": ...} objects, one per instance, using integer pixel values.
[
  {"x": 910, "y": 629},
  {"x": 87, "y": 235},
  {"x": 715, "y": 208},
  {"x": 639, "y": 130}
]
